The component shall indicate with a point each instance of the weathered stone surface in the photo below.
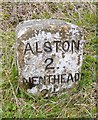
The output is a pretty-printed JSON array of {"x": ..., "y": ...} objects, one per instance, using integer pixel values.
[{"x": 49, "y": 55}]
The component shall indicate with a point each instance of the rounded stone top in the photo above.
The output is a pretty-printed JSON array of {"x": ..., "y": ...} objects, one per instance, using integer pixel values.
[{"x": 39, "y": 24}]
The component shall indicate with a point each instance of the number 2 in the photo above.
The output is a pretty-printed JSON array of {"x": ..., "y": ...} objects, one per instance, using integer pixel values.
[{"x": 48, "y": 65}]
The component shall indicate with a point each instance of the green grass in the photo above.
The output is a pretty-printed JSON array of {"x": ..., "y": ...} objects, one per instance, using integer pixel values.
[{"x": 75, "y": 103}]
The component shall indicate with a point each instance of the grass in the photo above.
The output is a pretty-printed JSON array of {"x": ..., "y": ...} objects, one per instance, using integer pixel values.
[{"x": 79, "y": 102}]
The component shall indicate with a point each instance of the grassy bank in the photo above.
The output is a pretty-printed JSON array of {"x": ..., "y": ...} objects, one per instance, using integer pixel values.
[{"x": 75, "y": 103}]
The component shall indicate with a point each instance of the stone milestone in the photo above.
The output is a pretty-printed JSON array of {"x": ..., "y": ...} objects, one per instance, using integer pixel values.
[{"x": 49, "y": 55}]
